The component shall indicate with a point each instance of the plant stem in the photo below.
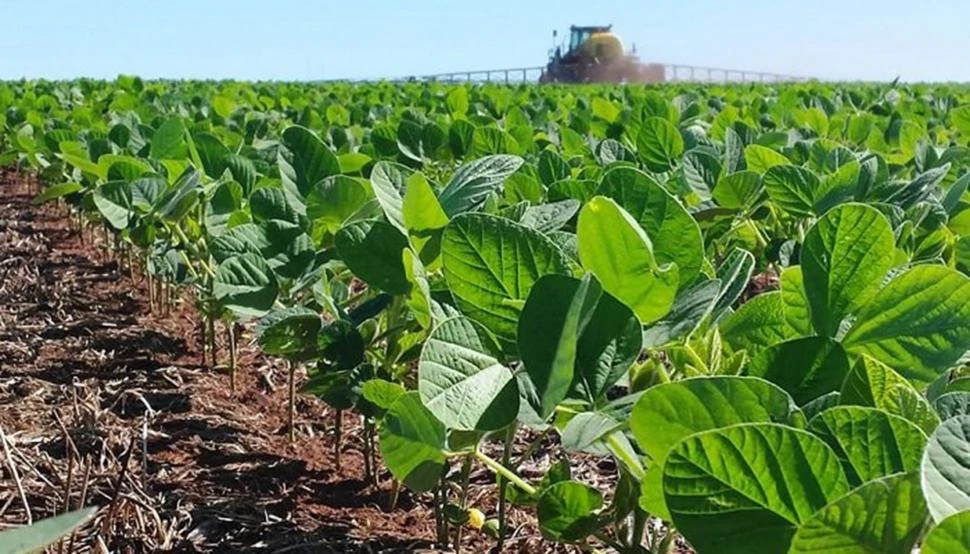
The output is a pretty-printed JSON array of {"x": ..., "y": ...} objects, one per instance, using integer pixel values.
[
  {"x": 292, "y": 414},
  {"x": 506, "y": 473},
  {"x": 338, "y": 438},
  {"x": 395, "y": 492},
  {"x": 503, "y": 522},
  {"x": 368, "y": 468},
  {"x": 231, "y": 328},
  {"x": 466, "y": 470}
]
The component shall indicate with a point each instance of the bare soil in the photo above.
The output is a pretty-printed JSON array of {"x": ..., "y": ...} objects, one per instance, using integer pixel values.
[{"x": 104, "y": 403}]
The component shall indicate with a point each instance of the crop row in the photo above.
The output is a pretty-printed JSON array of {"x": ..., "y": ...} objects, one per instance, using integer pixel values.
[{"x": 753, "y": 299}]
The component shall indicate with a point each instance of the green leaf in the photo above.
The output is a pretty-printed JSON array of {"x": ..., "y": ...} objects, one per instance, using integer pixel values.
[
  {"x": 872, "y": 383},
  {"x": 382, "y": 393},
  {"x": 919, "y": 323},
  {"x": 952, "y": 404},
  {"x": 668, "y": 413},
  {"x": 844, "y": 259},
  {"x": 212, "y": 154},
  {"x": 113, "y": 200},
  {"x": 412, "y": 443},
  {"x": 245, "y": 284},
  {"x": 54, "y": 192},
  {"x": 946, "y": 469},
  {"x": 554, "y": 316},
  {"x": 457, "y": 101},
  {"x": 872, "y": 443},
  {"x": 272, "y": 203},
  {"x": 304, "y": 160},
  {"x": 419, "y": 297},
  {"x": 739, "y": 191},
  {"x": 614, "y": 247},
  {"x": 461, "y": 380},
  {"x": 423, "y": 218},
  {"x": 884, "y": 516},
  {"x": 389, "y": 181},
  {"x": 734, "y": 273},
  {"x": 567, "y": 511},
  {"x": 761, "y": 158},
  {"x": 491, "y": 263},
  {"x": 552, "y": 167},
  {"x": 759, "y": 323},
  {"x": 550, "y": 217},
  {"x": 748, "y": 488},
  {"x": 33, "y": 538},
  {"x": 675, "y": 236},
  {"x": 792, "y": 188},
  {"x": 290, "y": 332},
  {"x": 806, "y": 368},
  {"x": 332, "y": 202},
  {"x": 168, "y": 142},
  {"x": 952, "y": 535},
  {"x": 474, "y": 181},
  {"x": 373, "y": 251},
  {"x": 659, "y": 144}
]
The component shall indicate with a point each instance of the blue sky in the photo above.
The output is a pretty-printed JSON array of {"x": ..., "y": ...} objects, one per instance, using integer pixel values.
[{"x": 305, "y": 39}]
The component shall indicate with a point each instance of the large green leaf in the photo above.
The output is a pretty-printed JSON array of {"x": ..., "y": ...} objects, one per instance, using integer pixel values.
[
  {"x": 33, "y": 538},
  {"x": 872, "y": 383},
  {"x": 885, "y": 516},
  {"x": 245, "y": 284},
  {"x": 739, "y": 191},
  {"x": 761, "y": 158},
  {"x": 759, "y": 323},
  {"x": 614, "y": 247},
  {"x": 330, "y": 203},
  {"x": 491, "y": 263},
  {"x": 554, "y": 316},
  {"x": 423, "y": 218},
  {"x": 372, "y": 250},
  {"x": 872, "y": 443},
  {"x": 844, "y": 259},
  {"x": 289, "y": 332},
  {"x": 168, "y": 142},
  {"x": 412, "y": 443},
  {"x": 919, "y": 323},
  {"x": 667, "y": 413},
  {"x": 474, "y": 181},
  {"x": 567, "y": 511},
  {"x": 807, "y": 368},
  {"x": 461, "y": 380},
  {"x": 748, "y": 488},
  {"x": 951, "y": 536},
  {"x": 946, "y": 469},
  {"x": 113, "y": 200},
  {"x": 792, "y": 188},
  {"x": 304, "y": 160},
  {"x": 659, "y": 144},
  {"x": 675, "y": 236},
  {"x": 389, "y": 181}
]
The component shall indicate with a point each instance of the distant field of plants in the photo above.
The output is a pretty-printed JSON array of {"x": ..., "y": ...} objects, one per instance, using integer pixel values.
[{"x": 754, "y": 299}]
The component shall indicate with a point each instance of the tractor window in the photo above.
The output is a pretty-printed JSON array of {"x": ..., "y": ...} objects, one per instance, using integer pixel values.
[{"x": 577, "y": 38}]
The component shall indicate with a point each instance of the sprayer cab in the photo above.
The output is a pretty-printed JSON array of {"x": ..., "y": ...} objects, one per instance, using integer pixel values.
[{"x": 595, "y": 54}]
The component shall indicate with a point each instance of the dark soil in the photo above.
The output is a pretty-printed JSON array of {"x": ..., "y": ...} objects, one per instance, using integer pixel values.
[{"x": 104, "y": 403}]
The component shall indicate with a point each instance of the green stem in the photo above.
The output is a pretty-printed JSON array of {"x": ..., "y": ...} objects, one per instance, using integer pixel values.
[
  {"x": 466, "y": 471},
  {"x": 623, "y": 455},
  {"x": 503, "y": 520},
  {"x": 505, "y": 473}
]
